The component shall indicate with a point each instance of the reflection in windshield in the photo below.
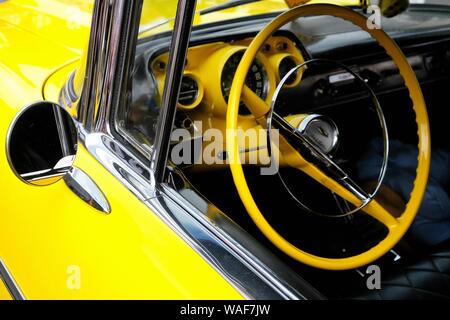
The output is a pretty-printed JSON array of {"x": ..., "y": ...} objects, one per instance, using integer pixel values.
[{"x": 158, "y": 15}]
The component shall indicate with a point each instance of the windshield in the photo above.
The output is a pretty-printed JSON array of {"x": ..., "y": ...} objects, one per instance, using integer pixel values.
[
  {"x": 442, "y": 2},
  {"x": 159, "y": 15},
  {"x": 138, "y": 120}
]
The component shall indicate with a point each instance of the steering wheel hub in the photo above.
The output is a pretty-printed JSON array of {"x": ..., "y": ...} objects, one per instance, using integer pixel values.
[{"x": 322, "y": 131}]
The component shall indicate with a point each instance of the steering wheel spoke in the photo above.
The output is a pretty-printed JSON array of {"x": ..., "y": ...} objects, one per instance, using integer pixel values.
[
  {"x": 345, "y": 188},
  {"x": 257, "y": 106},
  {"x": 378, "y": 212},
  {"x": 336, "y": 179}
]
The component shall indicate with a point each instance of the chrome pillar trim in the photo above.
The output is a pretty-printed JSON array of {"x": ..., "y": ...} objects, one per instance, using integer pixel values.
[
  {"x": 131, "y": 172},
  {"x": 95, "y": 64},
  {"x": 121, "y": 56},
  {"x": 177, "y": 57},
  {"x": 109, "y": 61},
  {"x": 221, "y": 243},
  {"x": 67, "y": 95},
  {"x": 85, "y": 188},
  {"x": 10, "y": 283}
]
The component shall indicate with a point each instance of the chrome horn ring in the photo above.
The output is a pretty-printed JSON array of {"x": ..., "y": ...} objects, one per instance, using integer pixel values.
[{"x": 317, "y": 150}]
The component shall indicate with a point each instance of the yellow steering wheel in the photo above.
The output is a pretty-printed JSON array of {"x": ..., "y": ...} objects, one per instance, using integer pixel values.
[{"x": 397, "y": 227}]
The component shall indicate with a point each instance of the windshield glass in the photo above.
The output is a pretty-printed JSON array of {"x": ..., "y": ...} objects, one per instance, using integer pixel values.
[
  {"x": 442, "y": 2},
  {"x": 159, "y": 15},
  {"x": 138, "y": 121}
]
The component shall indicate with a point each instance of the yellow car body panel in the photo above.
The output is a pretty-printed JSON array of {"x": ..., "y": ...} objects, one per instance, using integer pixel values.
[
  {"x": 4, "y": 294},
  {"x": 48, "y": 234},
  {"x": 54, "y": 244}
]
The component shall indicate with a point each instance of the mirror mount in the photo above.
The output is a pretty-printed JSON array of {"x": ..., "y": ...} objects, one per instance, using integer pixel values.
[{"x": 41, "y": 147}]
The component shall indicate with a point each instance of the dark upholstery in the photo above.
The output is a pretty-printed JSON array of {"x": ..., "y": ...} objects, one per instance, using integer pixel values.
[{"x": 428, "y": 278}]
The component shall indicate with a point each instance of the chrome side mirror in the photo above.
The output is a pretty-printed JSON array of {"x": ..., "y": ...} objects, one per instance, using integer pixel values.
[{"x": 42, "y": 143}]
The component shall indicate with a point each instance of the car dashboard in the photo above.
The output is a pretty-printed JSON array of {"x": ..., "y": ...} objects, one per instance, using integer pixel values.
[
  {"x": 215, "y": 52},
  {"x": 210, "y": 69}
]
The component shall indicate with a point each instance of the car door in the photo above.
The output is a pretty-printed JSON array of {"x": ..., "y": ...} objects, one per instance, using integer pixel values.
[{"x": 55, "y": 245}]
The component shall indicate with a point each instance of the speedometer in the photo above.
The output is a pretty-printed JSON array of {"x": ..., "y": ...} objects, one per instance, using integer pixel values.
[{"x": 256, "y": 79}]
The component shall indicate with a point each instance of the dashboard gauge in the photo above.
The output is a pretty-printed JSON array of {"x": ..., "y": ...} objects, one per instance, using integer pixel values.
[
  {"x": 286, "y": 65},
  {"x": 189, "y": 91},
  {"x": 256, "y": 80}
]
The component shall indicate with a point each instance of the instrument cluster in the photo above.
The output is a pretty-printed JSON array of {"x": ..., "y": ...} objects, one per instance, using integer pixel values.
[{"x": 210, "y": 70}]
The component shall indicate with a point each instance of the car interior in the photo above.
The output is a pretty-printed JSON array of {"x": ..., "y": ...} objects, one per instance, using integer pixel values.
[{"x": 341, "y": 66}]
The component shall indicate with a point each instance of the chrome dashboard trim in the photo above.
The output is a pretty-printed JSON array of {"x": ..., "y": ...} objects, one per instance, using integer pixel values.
[{"x": 10, "y": 283}]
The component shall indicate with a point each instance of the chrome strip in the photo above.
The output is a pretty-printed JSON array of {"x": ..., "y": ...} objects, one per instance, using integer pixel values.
[
  {"x": 110, "y": 57},
  {"x": 86, "y": 189},
  {"x": 267, "y": 271},
  {"x": 122, "y": 164},
  {"x": 95, "y": 64},
  {"x": 10, "y": 283},
  {"x": 67, "y": 95},
  {"x": 233, "y": 256},
  {"x": 174, "y": 75},
  {"x": 244, "y": 263}
]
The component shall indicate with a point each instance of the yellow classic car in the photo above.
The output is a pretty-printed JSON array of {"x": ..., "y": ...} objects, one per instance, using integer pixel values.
[{"x": 210, "y": 149}]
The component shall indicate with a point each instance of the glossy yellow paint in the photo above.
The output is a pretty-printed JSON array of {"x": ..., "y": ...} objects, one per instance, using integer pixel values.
[
  {"x": 397, "y": 228},
  {"x": 160, "y": 10},
  {"x": 129, "y": 254},
  {"x": 48, "y": 236},
  {"x": 4, "y": 293}
]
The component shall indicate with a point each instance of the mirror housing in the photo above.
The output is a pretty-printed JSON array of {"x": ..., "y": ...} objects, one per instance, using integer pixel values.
[{"x": 42, "y": 143}]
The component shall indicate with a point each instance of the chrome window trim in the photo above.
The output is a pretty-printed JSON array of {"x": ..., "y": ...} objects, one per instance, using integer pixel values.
[
  {"x": 147, "y": 153},
  {"x": 108, "y": 73},
  {"x": 67, "y": 95},
  {"x": 174, "y": 75},
  {"x": 110, "y": 57},
  {"x": 236, "y": 262},
  {"x": 10, "y": 283},
  {"x": 247, "y": 250},
  {"x": 120, "y": 162}
]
